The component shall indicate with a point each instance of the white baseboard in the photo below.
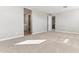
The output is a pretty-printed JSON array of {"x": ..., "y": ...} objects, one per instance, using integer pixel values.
[
  {"x": 66, "y": 32},
  {"x": 9, "y": 38},
  {"x": 38, "y": 33}
]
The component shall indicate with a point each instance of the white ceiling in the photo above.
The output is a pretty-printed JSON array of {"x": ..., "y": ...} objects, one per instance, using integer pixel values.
[{"x": 52, "y": 9}]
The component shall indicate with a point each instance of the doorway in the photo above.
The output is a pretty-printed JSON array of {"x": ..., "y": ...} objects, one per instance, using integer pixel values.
[
  {"x": 27, "y": 22},
  {"x": 50, "y": 23},
  {"x": 53, "y": 23}
]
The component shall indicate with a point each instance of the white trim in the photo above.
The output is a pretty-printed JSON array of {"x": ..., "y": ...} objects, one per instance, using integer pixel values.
[
  {"x": 38, "y": 33},
  {"x": 9, "y": 38},
  {"x": 66, "y": 32}
]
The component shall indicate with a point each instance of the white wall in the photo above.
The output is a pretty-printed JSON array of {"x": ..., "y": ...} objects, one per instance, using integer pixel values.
[
  {"x": 39, "y": 22},
  {"x": 68, "y": 21},
  {"x": 11, "y": 21},
  {"x": 26, "y": 23}
]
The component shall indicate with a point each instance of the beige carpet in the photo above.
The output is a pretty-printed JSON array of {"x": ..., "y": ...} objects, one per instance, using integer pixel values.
[{"x": 56, "y": 42}]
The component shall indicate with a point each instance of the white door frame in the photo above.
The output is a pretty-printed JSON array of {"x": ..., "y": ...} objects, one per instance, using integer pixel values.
[{"x": 49, "y": 23}]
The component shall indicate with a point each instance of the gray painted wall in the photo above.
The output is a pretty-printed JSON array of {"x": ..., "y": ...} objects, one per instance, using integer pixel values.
[
  {"x": 68, "y": 21},
  {"x": 11, "y": 21}
]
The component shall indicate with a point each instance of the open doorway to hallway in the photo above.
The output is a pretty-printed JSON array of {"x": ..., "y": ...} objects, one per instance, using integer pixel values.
[
  {"x": 51, "y": 23},
  {"x": 27, "y": 22}
]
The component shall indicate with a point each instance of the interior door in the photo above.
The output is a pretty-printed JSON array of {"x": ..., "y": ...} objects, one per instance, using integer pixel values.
[{"x": 49, "y": 23}]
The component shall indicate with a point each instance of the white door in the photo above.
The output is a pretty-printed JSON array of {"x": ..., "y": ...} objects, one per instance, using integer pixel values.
[{"x": 49, "y": 23}]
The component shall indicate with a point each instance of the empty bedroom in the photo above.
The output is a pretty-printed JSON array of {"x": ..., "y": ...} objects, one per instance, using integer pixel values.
[{"x": 39, "y": 29}]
